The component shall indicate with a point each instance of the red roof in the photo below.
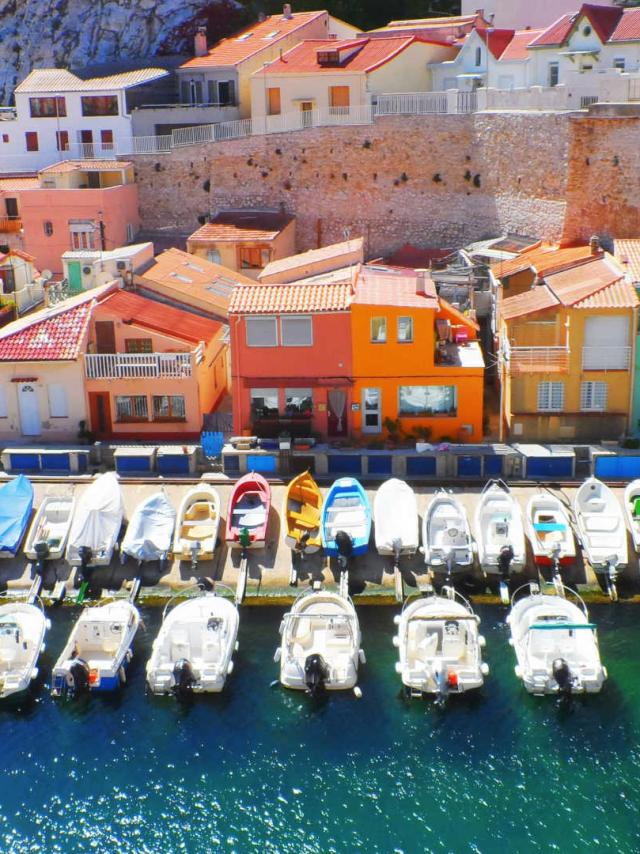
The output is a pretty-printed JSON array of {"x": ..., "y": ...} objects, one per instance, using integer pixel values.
[
  {"x": 57, "y": 337},
  {"x": 243, "y": 225},
  {"x": 544, "y": 260},
  {"x": 161, "y": 318},
  {"x": 627, "y": 254},
  {"x": 397, "y": 287},
  {"x": 18, "y": 253},
  {"x": 628, "y": 27},
  {"x": 516, "y": 50},
  {"x": 295, "y": 299},
  {"x": 253, "y": 39},
  {"x": 605, "y": 20},
  {"x": 361, "y": 55},
  {"x": 496, "y": 40}
]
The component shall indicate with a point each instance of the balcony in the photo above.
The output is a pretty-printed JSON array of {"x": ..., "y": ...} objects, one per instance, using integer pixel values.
[
  {"x": 531, "y": 360},
  {"x": 10, "y": 225},
  {"x": 129, "y": 366},
  {"x": 606, "y": 358}
]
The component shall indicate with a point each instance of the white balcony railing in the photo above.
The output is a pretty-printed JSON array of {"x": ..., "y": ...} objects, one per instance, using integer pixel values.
[
  {"x": 537, "y": 359},
  {"x": 606, "y": 358},
  {"x": 127, "y": 366}
]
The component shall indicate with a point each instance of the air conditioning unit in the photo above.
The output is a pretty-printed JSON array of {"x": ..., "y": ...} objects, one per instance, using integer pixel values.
[
  {"x": 121, "y": 265},
  {"x": 87, "y": 271}
]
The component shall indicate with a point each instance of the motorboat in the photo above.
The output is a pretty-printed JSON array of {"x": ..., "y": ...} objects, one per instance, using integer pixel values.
[
  {"x": 550, "y": 532},
  {"x": 98, "y": 651},
  {"x": 198, "y": 521},
  {"x": 49, "y": 532},
  {"x": 320, "y": 648},
  {"x": 632, "y": 511},
  {"x": 439, "y": 645},
  {"x": 16, "y": 504},
  {"x": 556, "y": 645},
  {"x": 301, "y": 514},
  {"x": 602, "y": 531},
  {"x": 96, "y": 523},
  {"x": 23, "y": 627},
  {"x": 500, "y": 532},
  {"x": 248, "y": 515},
  {"x": 395, "y": 514},
  {"x": 446, "y": 537},
  {"x": 149, "y": 533},
  {"x": 193, "y": 650},
  {"x": 346, "y": 519}
]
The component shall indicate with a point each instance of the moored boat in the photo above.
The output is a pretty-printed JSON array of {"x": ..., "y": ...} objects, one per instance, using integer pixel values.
[
  {"x": 197, "y": 524},
  {"x": 602, "y": 531},
  {"x": 150, "y": 530},
  {"x": 395, "y": 513},
  {"x": 346, "y": 519},
  {"x": 446, "y": 537},
  {"x": 248, "y": 513},
  {"x": 22, "y": 631},
  {"x": 96, "y": 523},
  {"x": 550, "y": 532},
  {"x": 16, "y": 504},
  {"x": 301, "y": 513},
  {"x": 499, "y": 532},
  {"x": 632, "y": 511},
  {"x": 49, "y": 532}
]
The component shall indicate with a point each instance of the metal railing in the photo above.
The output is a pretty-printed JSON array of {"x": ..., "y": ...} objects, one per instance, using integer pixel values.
[
  {"x": 537, "y": 359},
  {"x": 412, "y": 104},
  {"x": 111, "y": 366},
  {"x": 10, "y": 225},
  {"x": 606, "y": 358}
]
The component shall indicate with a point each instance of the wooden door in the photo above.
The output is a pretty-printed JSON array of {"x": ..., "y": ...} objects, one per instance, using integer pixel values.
[
  {"x": 273, "y": 101},
  {"x": 100, "y": 413},
  {"x": 105, "y": 336}
]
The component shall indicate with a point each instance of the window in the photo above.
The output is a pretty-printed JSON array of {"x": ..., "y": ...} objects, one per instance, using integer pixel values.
[
  {"x": 62, "y": 140},
  {"x": 4, "y": 409},
  {"x": 131, "y": 232},
  {"x": 554, "y": 74},
  {"x": 31, "y": 140},
  {"x": 82, "y": 236},
  {"x": 58, "y": 405},
  {"x": 478, "y": 56},
  {"x": 221, "y": 93},
  {"x": 593, "y": 397},
  {"x": 586, "y": 31},
  {"x": 11, "y": 207},
  {"x": 106, "y": 140},
  {"x": 264, "y": 403},
  {"x": 296, "y": 331},
  {"x": 46, "y": 108},
  {"x": 550, "y": 397},
  {"x": 132, "y": 408},
  {"x": 619, "y": 62},
  {"x": 213, "y": 255},
  {"x": 378, "y": 330},
  {"x": 416, "y": 400},
  {"x": 138, "y": 345},
  {"x": 169, "y": 407},
  {"x": 5, "y": 137},
  {"x": 191, "y": 92},
  {"x": 298, "y": 402},
  {"x": 99, "y": 105},
  {"x": 405, "y": 330},
  {"x": 253, "y": 257},
  {"x": 48, "y": 228},
  {"x": 339, "y": 98},
  {"x": 371, "y": 410},
  {"x": 262, "y": 332},
  {"x": 273, "y": 101}
]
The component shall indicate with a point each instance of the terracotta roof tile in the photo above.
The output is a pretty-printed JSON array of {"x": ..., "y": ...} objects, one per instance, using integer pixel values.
[
  {"x": 543, "y": 259},
  {"x": 22, "y": 182},
  {"x": 50, "y": 80},
  {"x": 395, "y": 286},
  {"x": 18, "y": 253},
  {"x": 56, "y": 337},
  {"x": 604, "y": 20},
  {"x": 627, "y": 254},
  {"x": 298, "y": 262},
  {"x": 496, "y": 40},
  {"x": 530, "y": 302},
  {"x": 628, "y": 27},
  {"x": 618, "y": 295},
  {"x": 362, "y": 55},
  {"x": 85, "y": 165},
  {"x": 516, "y": 50},
  {"x": 243, "y": 225},
  {"x": 294, "y": 298},
  {"x": 579, "y": 282}
]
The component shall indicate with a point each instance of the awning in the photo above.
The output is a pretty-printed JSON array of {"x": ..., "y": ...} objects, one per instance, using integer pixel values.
[{"x": 475, "y": 75}]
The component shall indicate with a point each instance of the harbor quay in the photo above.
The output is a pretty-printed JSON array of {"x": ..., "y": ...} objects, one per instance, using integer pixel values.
[{"x": 269, "y": 571}]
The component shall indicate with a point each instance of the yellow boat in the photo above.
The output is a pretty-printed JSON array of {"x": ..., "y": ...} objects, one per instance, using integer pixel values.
[{"x": 302, "y": 507}]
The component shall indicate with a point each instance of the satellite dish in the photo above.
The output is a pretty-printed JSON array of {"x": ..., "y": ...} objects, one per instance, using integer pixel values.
[{"x": 46, "y": 275}]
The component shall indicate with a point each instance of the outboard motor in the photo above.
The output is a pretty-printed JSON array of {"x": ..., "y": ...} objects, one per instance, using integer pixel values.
[
  {"x": 504, "y": 561},
  {"x": 77, "y": 678},
  {"x": 442, "y": 682},
  {"x": 86, "y": 555},
  {"x": 183, "y": 677},
  {"x": 42, "y": 551},
  {"x": 344, "y": 544},
  {"x": 561, "y": 673},
  {"x": 316, "y": 673},
  {"x": 302, "y": 542}
]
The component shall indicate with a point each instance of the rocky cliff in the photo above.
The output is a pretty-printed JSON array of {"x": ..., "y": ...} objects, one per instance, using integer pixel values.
[{"x": 76, "y": 33}]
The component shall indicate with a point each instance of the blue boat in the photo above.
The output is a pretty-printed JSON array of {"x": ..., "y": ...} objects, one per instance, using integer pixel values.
[
  {"x": 16, "y": 504},
  {"x": 346, "y": 519}
]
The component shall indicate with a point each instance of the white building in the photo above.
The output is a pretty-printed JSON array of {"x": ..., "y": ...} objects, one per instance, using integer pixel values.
[
  {"x": 519, "y": 14},
  {"x": 85, "y": 269}
]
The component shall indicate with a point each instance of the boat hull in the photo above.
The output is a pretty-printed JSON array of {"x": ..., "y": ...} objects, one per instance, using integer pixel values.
[
  {"x": 51, "y": 526},
  {"x": 22, "y": 627},
  {"x": 301, "y": 512},
  {"x": 446, "y": 536},
  {"x": 197, "y": 524},
  {"x": 346, "y": 509},
  {"x": 395, "y": 511},
  {"x": 601, "y": 526},
  {"x": 249, "y": 508}
]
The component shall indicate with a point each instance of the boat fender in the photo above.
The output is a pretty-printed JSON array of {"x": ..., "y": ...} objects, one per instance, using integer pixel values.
[
  {"x": 398, "y": 667},
  {"x": 128, "y": 655},
  {"x": 482, "y": 641},
  {"x": 395, "y": 640},
  {"x": 230, "y": 668},
  {"x": 34, "y": 673},
  {"x": 357, "y": 693},
  {"x": 47, "y": 624},
  {"x": 277, "y": 654},
  {"x": 122, "y": 675},
  {"x": 316, "y": 673},
  {"x": 518, "y": 671},
  {"x": 396, "y": 620},
  {"x": 484, "y": 668}
]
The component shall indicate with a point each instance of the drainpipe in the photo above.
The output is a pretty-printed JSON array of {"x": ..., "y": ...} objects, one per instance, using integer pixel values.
[
  {"x": 632, "y": 368},
  {"x": 235, "y": 359}
]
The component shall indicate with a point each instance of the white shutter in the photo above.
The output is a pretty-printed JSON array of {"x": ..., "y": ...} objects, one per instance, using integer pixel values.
[
  {"x": 297, "y": 332},
  {"x": 4, "y": 409},
  {"x": 58, "y": 404},
  {"x": 261, "y": 332},
  {"x": 606, "y": 343}
]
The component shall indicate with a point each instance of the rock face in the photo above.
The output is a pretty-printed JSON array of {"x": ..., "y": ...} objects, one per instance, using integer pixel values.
[{"x": 76, "y": 33}]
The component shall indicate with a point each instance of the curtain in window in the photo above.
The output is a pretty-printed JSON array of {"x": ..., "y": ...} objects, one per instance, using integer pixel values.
[{"x": 337, "y": 401}]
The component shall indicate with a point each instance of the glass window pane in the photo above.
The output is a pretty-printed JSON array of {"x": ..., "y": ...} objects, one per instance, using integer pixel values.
[
  {"x": 405, "y": 330},
  {"x": 427, "y": 400},
  {"x": 177, "y": 406},
  {"x": 261, "y": 332},
  {"x": 264, "y": 402},
  {"x": 298, "y": 401},
  {"x": 378, "y": 330},
  {"x": 296, "y": 332}
]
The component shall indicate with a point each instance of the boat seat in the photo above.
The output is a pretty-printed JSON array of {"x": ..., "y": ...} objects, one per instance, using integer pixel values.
[
  {"x": 308, "y": 517},
  {"x": 304, "y": 495},
  {"x": 197, "y": 510},
  {"x": 601, "y": 523},
  {"x": 596, "y": 504}
]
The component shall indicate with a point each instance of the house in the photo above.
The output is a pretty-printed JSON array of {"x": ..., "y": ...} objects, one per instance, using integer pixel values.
[
  {"x": 21, "y": 285},
  {"x": 84, "y": 269},
  {"x": 152, "y": 371},
  {"x": 180, "y": 278},
  {"x": 333, "y": 75},
  {"x": 245, "y": 241},
  {"x": 314, "y": 262},
  {"x": 627, "y": 254},
  {"x": 566, "y": 354},
  {"x": 449, "y": 29},
  {"x": 59, "y": 114},
  {"x": 77, "y": 204},
  {"x": 10, "y": 221},
  {"x": 519, "y": 14}
]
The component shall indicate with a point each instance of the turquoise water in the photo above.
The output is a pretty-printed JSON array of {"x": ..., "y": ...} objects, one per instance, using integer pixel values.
[{"x": 259, "y": 769}]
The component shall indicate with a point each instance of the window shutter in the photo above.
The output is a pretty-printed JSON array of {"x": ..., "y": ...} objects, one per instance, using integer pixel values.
[
  {"x": 297, "y": 332},
  {"x": 58, "y": 404}
]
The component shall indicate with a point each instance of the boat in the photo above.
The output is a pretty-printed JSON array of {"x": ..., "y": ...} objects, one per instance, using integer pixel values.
[
  {"x": 96, "y": 523},
  {"x": 248, "y": 514},
  {"x": 500, "y": 532},
  {"x": 16, "y": 504},
  {"x": 301, "y": 514},
  {"x": 346, "y": 519},
  {"x": 149, "y": 533},
  {"x": 602, "y": 531},
  {"x": 439, "y": 645},
  {"x": 395, "y": 514},
  {"x": 556, "y": 646},
  {"x": 98, "y": 651},
  {"x": 550, "y": 532},
  {"x": 446, "y": 537},
  {"x": 320, "y": 648},
  {"x": 193, "y": 650},
  {"x": 49, "y": 532},
  {"x": 197, "y": 524},
  {"x": 23, "y": 627},
  {"x": 632, "y": 511}
]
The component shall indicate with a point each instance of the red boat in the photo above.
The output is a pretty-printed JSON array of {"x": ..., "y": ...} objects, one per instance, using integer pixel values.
[{"x": 248, "y": 513}]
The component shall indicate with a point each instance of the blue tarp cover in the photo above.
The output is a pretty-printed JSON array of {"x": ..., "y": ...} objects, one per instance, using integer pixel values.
[{"x": 16, "y": 503}]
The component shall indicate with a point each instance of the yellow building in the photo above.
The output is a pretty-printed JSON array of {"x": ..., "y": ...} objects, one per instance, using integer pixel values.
[{"x": 566, "y": 350}]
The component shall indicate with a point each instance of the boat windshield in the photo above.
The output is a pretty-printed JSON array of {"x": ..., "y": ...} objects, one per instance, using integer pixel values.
[
  {"x": 9, "y": 628},
  {"x": 318, "y": 630}
]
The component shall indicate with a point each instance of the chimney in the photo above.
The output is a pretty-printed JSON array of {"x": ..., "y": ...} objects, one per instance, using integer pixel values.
[
  {"x": 594, "y": 245},
  {"x": 286, "y": 11},
  {"x": 420, "y": 283},
  {"x": 200, "y": 42}
]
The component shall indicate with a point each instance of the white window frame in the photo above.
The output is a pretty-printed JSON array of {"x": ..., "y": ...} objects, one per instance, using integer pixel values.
[
  {"x": 550, "y": 397},
  {"x": 556, "y": 67},
  {"x": 373, "y": 340},
  {"x": 285, "y": 319},
  {"x": 4, "y": 404},
  {"x": 366, "y": 410},
  {"x": 594, "y": 396},
  {"x": 261, "y": 322},
  {"x": 407, "y": 318},
  {"x": 620, "y": 63},
  {"x": 58, "y": 400}
]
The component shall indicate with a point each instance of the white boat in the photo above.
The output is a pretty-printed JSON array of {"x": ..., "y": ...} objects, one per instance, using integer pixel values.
[
  {"x": 49, "y": 531},
  {"x": 194, "y": 647},
  {"x": 550, "y": 532},
  {"x": 602, "y": 530},
  {"x": 197, "y": 524},
  {"x": 555, "y": 644},
  {"x": 446, "y": 537},
  {"x": 632, "y": 511},
  {"x": 395, "y": 514},
  {"x": 22, "y": 630},
  {"x": 500, "y": 531},
  {"x": 98, "y": 651},
  {"x": 320, "y": 648},
  {"x": 150, "y": 531},
  {"x": 96, "y": 523},
  {"x": 439, "y": 645}
]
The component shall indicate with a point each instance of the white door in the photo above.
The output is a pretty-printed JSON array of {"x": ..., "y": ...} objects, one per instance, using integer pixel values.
[
  {"x": 371, "y": 410},
  {"x": 29, "y": 409}
]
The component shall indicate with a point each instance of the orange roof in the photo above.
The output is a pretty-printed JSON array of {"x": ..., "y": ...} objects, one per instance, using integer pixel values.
[
  {"x": 243, "y": 225},
  {"x": 87, "y": 165},
  {"x": 627, "y": 254},
  {"x": 18, "y": 254},
  {"x": 618, "y": 295},
  {"x": 516, "y": 50},
  {"x": 542, "y": 259},
  {"x": 393, "y": 286},
  {"x": 253, "y": 39},
  {"x": 50, "y": 336},
  {"x": 12, "y": 184},
  {"x": 295, "y": 299},
  {"x": 579, "y": 282},
  {"x": 360, "y": 55},
  {"x": 530, "y": 302}
]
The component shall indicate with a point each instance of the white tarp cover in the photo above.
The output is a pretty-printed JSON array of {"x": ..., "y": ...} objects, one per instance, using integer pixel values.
[
  {"x": 99, "y": 515},
  {"x": 150, "y": 530},
  {"x": 395, "y": 513}
]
